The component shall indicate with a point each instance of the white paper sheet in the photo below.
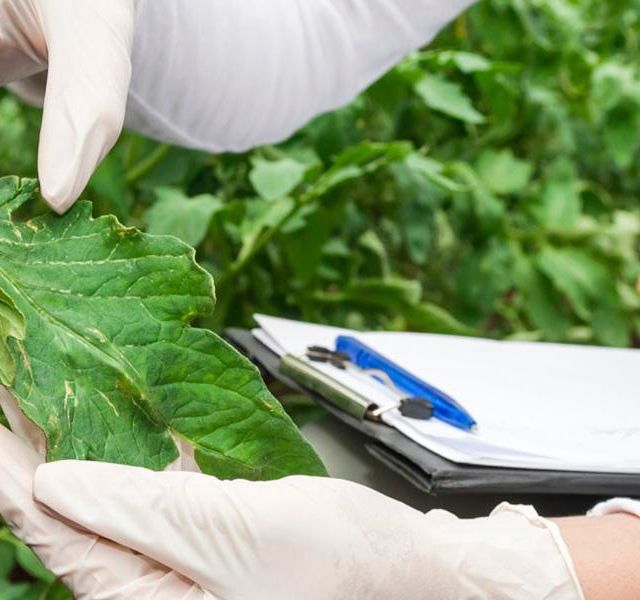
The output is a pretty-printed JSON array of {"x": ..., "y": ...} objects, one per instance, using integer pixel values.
[{"x": 538, "y": 406}]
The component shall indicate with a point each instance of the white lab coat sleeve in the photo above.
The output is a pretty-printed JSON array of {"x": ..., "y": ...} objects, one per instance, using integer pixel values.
[
  {"x": 223, "y": 75},
  {"x": 616, "y": 505}
]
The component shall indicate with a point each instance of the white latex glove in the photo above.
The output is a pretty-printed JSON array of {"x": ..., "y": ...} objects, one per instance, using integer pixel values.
[
  {"x": 299, "y": 537},
  {"x": 86, "y": 48},
  {"x": 209, "y": 74},
  {"x": 94, "y": 568}
]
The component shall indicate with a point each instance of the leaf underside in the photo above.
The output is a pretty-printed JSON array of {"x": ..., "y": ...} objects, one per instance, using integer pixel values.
[{"x": 98, "y": 348}]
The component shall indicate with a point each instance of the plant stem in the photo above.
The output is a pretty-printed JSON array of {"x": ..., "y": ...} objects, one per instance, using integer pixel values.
[{"x": 147, "y": 164}]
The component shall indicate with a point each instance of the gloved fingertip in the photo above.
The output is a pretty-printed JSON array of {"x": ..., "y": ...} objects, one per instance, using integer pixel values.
[
  {"x": 62, "y": 169},
  {"x": 59, "y": 195},
  {"x": 70, "y": 151},
  {"x": 89, "y": 72}
]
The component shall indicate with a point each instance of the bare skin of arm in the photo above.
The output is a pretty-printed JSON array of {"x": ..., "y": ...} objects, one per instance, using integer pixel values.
[{"x": 606, "y": 554}]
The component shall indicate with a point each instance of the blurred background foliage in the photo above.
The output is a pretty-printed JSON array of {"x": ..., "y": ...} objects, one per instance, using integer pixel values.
[{"x": 487, "y": 186}]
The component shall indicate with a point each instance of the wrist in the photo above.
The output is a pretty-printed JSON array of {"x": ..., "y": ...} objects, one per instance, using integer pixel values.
[{"x": 604, "y": 551}]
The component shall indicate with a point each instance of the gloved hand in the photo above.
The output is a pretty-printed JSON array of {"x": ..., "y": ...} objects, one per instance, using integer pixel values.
[
  {"x": 94, "y": 568},
  {"x": 299, "y": 537},
  {"x": 81, "y": 51},
  {"x": 208, "y": 74}
]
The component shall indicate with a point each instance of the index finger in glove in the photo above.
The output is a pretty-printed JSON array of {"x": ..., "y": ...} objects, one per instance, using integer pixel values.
[
  {"x": 92, "y": 567},
  {"x": 235, "y": 538},
  {"x": 89, "y": 59}
]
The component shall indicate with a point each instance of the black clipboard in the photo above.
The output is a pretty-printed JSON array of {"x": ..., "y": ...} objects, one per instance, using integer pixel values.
[{"x": 429, "y": 471}]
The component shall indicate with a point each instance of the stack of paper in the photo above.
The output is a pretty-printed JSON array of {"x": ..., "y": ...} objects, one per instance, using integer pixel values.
[{"x": 538, "y": 406}]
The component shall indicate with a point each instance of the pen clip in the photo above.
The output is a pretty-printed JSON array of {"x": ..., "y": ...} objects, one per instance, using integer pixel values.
[
  {"x": 411, "y": 408},
  {"x": 324, "y": 355}
]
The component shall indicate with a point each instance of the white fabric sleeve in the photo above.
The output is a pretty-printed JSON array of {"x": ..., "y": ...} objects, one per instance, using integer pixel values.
[
  {"x": 616, "y": 505},
  {"x": 223, "y": 75}
]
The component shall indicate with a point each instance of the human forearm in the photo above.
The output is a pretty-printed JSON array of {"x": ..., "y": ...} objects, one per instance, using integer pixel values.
[{"x": 605, "y": 552}]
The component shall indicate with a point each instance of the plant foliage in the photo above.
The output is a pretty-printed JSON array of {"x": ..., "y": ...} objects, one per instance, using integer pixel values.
[{"x": 98, "y": 348}]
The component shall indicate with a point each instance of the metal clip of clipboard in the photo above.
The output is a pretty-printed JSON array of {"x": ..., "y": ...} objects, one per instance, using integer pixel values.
[{"x": 315, "y": 380}]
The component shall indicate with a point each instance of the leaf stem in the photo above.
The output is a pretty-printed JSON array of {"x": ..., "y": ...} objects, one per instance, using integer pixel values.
[{"x": 147, "y": 164}]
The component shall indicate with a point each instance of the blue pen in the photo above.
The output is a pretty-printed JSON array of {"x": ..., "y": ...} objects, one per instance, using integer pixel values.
[{"x": 445, "y": 408}]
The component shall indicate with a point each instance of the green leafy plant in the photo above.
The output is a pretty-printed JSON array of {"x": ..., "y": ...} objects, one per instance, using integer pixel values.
[
  {"x": 98, "y": 348},
  {"x": 22, "y": 576}
]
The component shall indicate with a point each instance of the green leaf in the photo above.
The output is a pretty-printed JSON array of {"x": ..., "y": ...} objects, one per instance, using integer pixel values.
[
  {"x": 466, "y": 62},
  {"x": 392, "y": 293},
  {"x": 612, "y": 326},
  {"x": 14, "y": 554},
  {"x": 540, "y": 301},
  {"x": 26, "y": 558},
  {"x": 433, "y": 171},
  {"x": 56, "y": 591},
  {"x": 502, "y": 172},
  {"x": 481, "y": 279},
  {"x": 611, "y": 83},
  {"x": 275, "y": 179},
  {"x": 19, "y": 591},
  {"x": 448, "y": 98},
  {"x": 264, "y": 218},
  {"x": 579, "y": 276},
  {"x": 11, "y": 325},
  {"x": 357, "y": 161},
  {"x": 372, "y": 242},
  {"x": 622, "y": 135},
  {"x": 110, "y": 367},
  {"x": 489, "y": 209},
  {"x": 388, "y": 293},
  {"x": 304, "y": 246},
  {"x": 560, "y": 203},
  {"x": 187, "y": 219},
  {"x": 6, "y": 559},
  {"x": 14, "y": 193},
  {"x": 435, "y": 319}
]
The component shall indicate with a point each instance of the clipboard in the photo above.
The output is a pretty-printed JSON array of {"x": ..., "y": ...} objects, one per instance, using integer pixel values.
[{"x": 430, "y": 472}]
